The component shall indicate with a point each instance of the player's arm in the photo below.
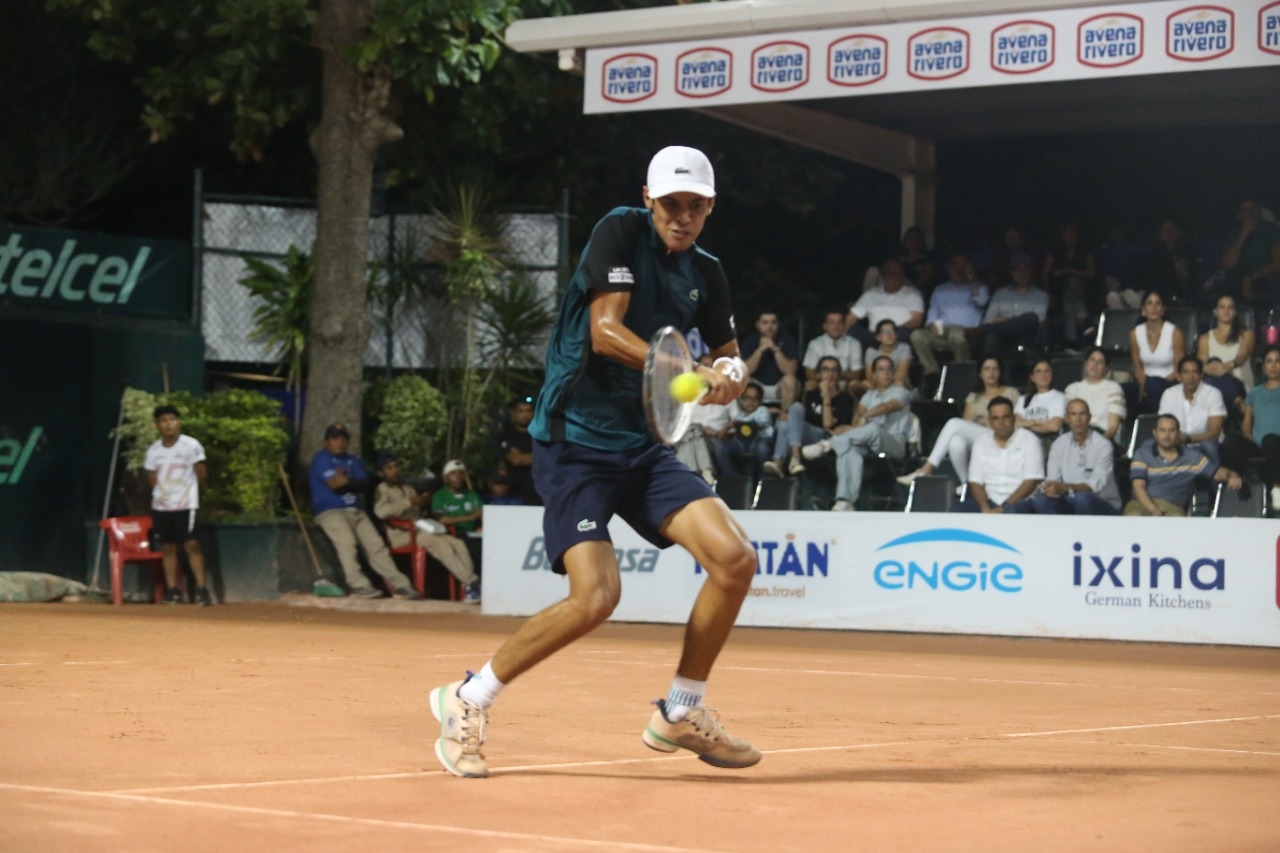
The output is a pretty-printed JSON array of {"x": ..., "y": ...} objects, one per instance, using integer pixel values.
[{"x": 202, "y": 472}]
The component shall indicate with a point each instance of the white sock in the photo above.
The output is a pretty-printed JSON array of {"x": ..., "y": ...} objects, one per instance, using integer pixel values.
[
  {"x": 482, "y": 688},
  {"x": 685, "y": 695}
]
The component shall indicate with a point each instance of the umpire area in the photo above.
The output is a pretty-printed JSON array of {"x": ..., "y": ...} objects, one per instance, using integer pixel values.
[{"x": 274, "y": 727}]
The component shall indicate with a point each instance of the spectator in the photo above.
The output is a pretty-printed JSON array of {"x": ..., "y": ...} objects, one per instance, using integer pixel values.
[
  {"x": 1198, "y": 408},
  {"x": 710, "y": 423},
  {"x": 1069, "y": 274},
  {"x": 1262, "y": 420},
  {"x": 175, "y": 466},
  {"x": 458, "y": 506},
  {"x": 1104, "y": 396},
  {"x": 1013, "y": 244},
  {"x": 1080, "y": 479},
  {"x": 891, "y": 299},
  {"x": 959, "y": 434},
  {"x": 1231, "y": 343},
  {"x": 1016, "y": 314},
  {"x": 1007, "y": 465},
  {"x": 917, "y": 261},
  {"x": 833, "y": 342},
  {"x": 826, "y": 411},
  {"x": 889, "y": 344},
  {"x": 396, "y": 499},
  {"x": 772, "y": 361},
  {"x": 1163, "y": 472},
  {"x": 881, "y": 424},
  {"x": 1041, "y": 408},
  {"x": 1167, "y": 267},
  {"x": 1253, "y": 258},
  {"x": 955, "y": 313},
  {"x": 499, "y": 493},
  {"x": 750, "y": 438},
  {"x": 1155, "y": 345},
  {"x": 516, "y": 447},
  {"x": 337, "y": 481}
]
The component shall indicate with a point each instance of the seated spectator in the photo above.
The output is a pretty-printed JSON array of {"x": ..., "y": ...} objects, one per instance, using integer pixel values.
[
  {"x": 826, "y": 411},
  {"x": 338, "y": 479},
  {"x": 772, "y": 361},
  {"x": 1163, "y": 472},
  {"x": 917, "y": 260},
  {"x": 516, "y": 448},
  {"x": 1231, "y": 344},
  {"x": 1007, "y": 465},
  {"x": 457, "y": 505},
  {"x": 394, "y": 498},
  {"x": 1041, "y": 407},
  {"x": 1198, "y": 408},
  {"x": 1016, "y": 314},
  {"x": 1252, "y": 261},
  {"x": 1167, "y": 267},
  {"x": 959, "y": 434},
  {"x": 891, "y": 346},
  {"x": 1080, "y": 479},
  {"x": 881, "y": 424},
  {"x": 499, "y": 493},
  {"x": 1104, "y": 396},
  {"x": 749, "y": 440},
  {"x": 833, "y": 342},
  {"x": 891, "y": 299},
  {"x": 955, "y": 313},
  {"x": 1069, "y": 274},
  {"x": 1013, "y": 244},
  {"x": 1262, "y": 420},
  {"x": 1155, "y": 345},
  {"x": 710, "y": 423}
]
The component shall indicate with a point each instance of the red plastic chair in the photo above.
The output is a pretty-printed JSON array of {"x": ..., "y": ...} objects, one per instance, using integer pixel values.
[
  {"x": 418, "y": 554},
  {"x": 128, "y": 542}
]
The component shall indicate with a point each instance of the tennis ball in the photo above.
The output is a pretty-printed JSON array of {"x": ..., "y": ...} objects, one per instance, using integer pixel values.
[{"x": 686, "y": 387}]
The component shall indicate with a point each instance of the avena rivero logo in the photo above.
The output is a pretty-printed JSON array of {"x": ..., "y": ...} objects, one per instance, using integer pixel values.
[
  {"x": 704, "y": 72},
  {"x": 947, "y": 559},
  {"x": 1269, "y": 28},
  {"x": 1200, "y": 33},
  {"x": 780, "y": 66},
  {"x": 857, "y": 60},
  {"x": 629, "y": 78},
  {"x": 1109, "y": 41},
  {"x": 938, "y": 54},
  {"x": 1022, "y": 47}
]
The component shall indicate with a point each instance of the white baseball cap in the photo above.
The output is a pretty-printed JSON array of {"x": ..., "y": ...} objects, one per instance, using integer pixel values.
[
  {"x": 679, "y": 169},
  {"x": 453, "y": 465}
]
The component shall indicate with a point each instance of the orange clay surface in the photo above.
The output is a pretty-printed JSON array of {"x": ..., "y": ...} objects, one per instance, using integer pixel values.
[{"x": 290, "y": 726}]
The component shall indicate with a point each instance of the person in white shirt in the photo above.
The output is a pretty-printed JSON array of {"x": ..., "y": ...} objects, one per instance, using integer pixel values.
[
  {"x": 1199, "y": 408},
  {"x": 1041, "y": 407},
  {"x": 1104, "y": 396},
  {"x": 1006, "y": 467},
  {"x": 835, "y": 343},
  {"x": 175, "y": 467},
  {"x": 891, "y": 299}
]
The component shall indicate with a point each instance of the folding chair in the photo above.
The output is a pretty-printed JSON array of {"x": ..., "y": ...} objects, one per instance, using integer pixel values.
[
  {"x": 1184, "y": 318},
  {"x": 1066, "y": 371},
  {"x": 775, "y": 493},
  {"x": 1249, "y": 502},
  {"x": 418, "y": 557},
  {"x": 931, "y": 494},
  {"x": 1139, "y": 432},
  {"x": 736, "y": 490},
  {"x": 128, "y": 541}
]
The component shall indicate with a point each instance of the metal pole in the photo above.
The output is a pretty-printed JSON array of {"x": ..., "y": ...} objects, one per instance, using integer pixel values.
[
  {"x": 106, "y": 500},
  {"x": 391, "y": 276},
  {"x": 563, "y": 260},
  {"x": 197, "y": 250}
]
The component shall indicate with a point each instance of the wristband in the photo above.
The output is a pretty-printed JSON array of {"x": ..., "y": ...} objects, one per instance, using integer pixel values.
[{"x": 737, "y": 370}]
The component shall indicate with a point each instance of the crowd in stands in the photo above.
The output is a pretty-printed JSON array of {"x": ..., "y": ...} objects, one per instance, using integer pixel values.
[{"x": 1095, "y": 338}]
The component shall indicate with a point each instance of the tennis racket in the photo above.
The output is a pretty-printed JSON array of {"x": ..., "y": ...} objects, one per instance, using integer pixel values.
[{"x": 668, "y": 358}]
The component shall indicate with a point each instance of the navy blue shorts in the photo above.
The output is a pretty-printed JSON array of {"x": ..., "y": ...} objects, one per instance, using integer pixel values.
[{"x": 583, "y": 488}]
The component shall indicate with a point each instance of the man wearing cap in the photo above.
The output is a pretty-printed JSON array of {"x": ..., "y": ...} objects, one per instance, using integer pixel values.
[
  {"x": 593, "y": 458},
  {"x": 337, "y": 481}
]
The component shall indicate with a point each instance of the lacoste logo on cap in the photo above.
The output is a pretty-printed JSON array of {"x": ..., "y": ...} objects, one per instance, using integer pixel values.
[
  {"x": 585, "y": 525},
  {"x": 681, "y": 170}
]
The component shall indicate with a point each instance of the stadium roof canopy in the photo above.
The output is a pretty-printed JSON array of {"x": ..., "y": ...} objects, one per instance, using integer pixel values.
[{"x": 879, "y": 83}]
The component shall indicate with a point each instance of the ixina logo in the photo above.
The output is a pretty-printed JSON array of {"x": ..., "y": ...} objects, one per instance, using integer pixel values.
[
  {"x": 704, "y": 72},
  {"x": 1200, "y": 33},
  {"x": 1269, "y": 28},
  {"x": 949, "y": 560},
  {"x": 857, "y": 60},
  {"x": 629, "y": 78},
  {"x": 1109, "y": 41},
  {"x": 780, "y": 66},
  {"x": 1022, "y": 47},
  {"x": 938, "y": 54}
]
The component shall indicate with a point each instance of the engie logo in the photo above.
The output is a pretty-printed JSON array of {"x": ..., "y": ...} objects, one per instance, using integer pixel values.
[
  {"x": 789, "y": 558},
  {"x": 629, "y": 78},
  {"x": 857, "y": 60},
  {"x": 949, "y": 559},
  {"x": 938, "y": 54},
  {"x": 1109, "y": 41},
  {"x": 1269, "y": 28},
  {"x": 14, "y": 456},
  {"x": 704, "y": 72},
  {"x": 629, "y": 559},
  {"x": 780, "y": 66},
  {"x": 1022, "y": 47},
  {"x": 1200, "y": 33}
]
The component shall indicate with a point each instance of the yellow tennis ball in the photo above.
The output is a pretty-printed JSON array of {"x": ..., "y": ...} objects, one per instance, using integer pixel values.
[{"x": 686, "y": 387}]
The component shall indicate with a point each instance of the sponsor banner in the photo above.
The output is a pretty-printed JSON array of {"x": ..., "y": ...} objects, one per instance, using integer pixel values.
[
  {"x": 1171, "y": 580},
  {"x": 54, "y": 270},
  {"x": 992, "y": 50}
]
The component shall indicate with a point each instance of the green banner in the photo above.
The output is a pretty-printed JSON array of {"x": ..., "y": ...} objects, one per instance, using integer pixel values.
[{"x": 55, "y": 270}]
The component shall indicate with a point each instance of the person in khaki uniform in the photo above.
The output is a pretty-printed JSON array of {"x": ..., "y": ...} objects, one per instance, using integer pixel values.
[{"x": 394, "y": 498}]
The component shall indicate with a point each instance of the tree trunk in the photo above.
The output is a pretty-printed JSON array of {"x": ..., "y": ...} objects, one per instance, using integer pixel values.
[{"x": 353, "y": 126}]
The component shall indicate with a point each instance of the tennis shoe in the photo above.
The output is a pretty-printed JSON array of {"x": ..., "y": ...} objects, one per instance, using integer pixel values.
[
  {"x": 472, "y": 595},
  {"x": 462, "y": 726},
  {"x": 842, "y": 505},
  {"x": 202, "y": 597},
  {"x": 700, "y": 732},
  {"x": 773, "y": 468},
  {"x": 816, "y": 450},
  {"x": 908, "y": 479},
  {"x": 172, "y": 595},
  {"x": 795, "y": 467}
]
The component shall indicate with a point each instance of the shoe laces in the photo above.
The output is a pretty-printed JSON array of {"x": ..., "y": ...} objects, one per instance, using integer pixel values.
[
  {"x": 472, "y": 726},
  {"x": 706, "y": 721}
]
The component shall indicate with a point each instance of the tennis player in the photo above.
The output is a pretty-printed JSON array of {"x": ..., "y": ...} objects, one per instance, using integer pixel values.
[{"x": 594, "y": 458}]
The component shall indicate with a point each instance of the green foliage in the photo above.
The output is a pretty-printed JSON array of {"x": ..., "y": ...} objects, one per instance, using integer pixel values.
[
  {"x": 412, "y": 416},
  {"x": 243, "y": 438},
  {"x": 281, "y": 319}
]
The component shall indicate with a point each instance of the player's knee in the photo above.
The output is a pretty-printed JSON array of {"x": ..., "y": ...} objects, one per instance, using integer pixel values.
[
  {"x": 734, "y": 566},
  {"x": 596, "y": 604}
]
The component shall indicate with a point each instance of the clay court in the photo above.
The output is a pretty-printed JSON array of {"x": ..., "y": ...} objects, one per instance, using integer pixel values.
[{"x": 282, "y": 727}]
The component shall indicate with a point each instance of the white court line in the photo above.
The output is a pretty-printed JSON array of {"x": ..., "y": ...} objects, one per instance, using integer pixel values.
[
  {"x": 563, "y": 841},
  {"x": 65, "y": 662},
  {"x": 1144, "y": 726},
  {"x": 1198, "y": 748}
]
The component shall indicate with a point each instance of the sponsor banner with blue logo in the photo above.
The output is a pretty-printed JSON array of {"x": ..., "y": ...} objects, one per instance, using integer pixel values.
[
  {"x": 994, "y": 50},
  {"x": 1173, "y": 580}
]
